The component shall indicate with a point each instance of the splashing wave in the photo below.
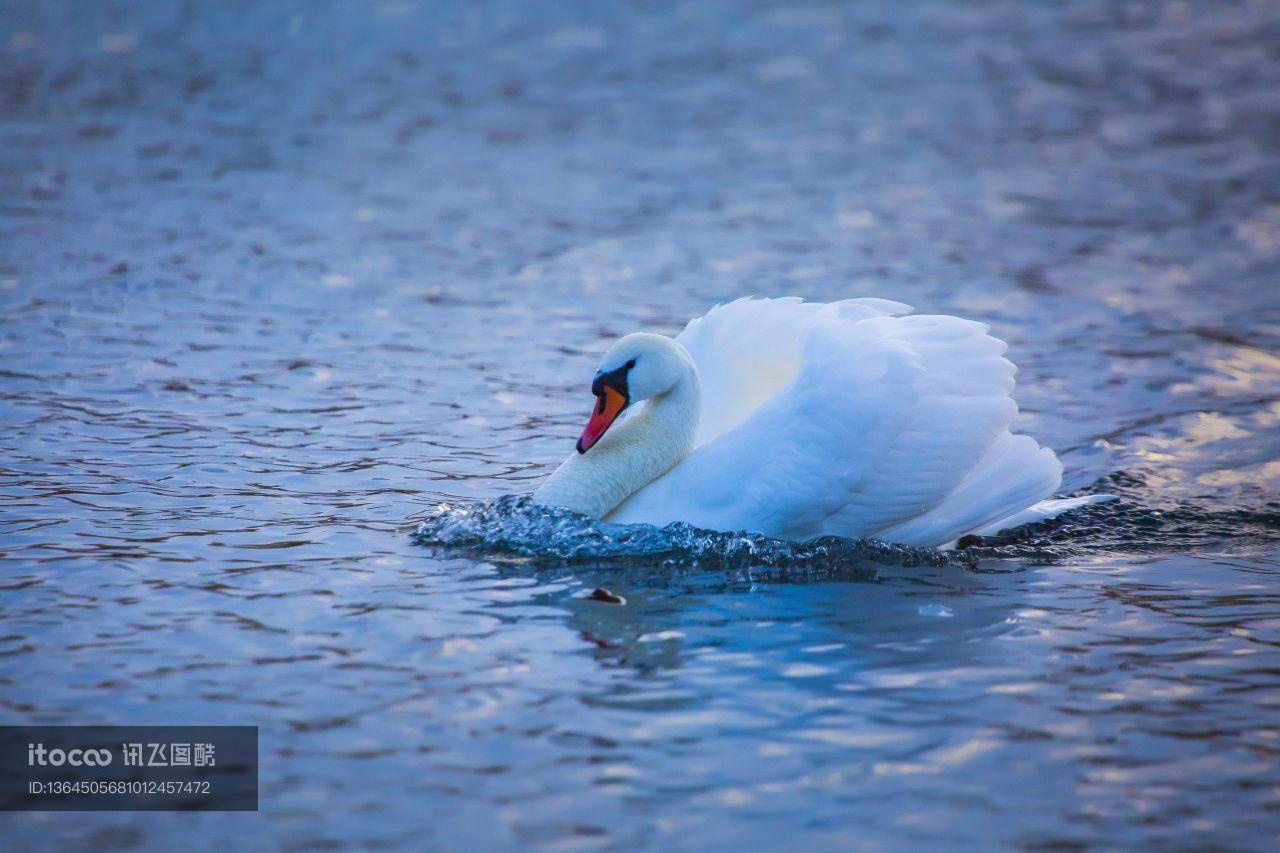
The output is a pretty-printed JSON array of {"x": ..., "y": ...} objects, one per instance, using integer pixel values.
[{"x": 515, "y": 526}]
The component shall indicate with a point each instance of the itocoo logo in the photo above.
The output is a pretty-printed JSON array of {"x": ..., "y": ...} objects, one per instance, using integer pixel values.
[{"x": 37, "y": 754}]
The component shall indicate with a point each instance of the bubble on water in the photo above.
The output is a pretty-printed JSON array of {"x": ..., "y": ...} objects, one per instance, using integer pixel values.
[{"x": 515, "y": 526}]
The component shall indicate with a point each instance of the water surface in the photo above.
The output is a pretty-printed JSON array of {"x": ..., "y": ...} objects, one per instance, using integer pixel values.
[{"x": 278, "y": 280}]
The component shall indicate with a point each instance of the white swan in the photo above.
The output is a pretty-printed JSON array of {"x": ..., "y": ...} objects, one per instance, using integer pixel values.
[{"x": 797, "y": 419}]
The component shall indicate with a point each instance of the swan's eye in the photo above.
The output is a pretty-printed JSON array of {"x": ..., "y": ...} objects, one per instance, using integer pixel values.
[{"x": 631, "y": 364}]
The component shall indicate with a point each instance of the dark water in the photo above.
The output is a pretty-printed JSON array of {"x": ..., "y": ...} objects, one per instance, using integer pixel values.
[{"x": 278, "y": 280}]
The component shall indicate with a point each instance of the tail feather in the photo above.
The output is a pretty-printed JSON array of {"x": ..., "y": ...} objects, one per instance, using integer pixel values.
[{"x": 1042, "y": 511}]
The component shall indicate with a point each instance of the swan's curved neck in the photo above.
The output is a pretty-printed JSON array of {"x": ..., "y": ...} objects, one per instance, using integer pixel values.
[{"x": 633, "y": 454}]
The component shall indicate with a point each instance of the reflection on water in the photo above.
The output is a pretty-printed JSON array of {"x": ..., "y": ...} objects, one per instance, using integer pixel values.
[{"x": 279, "y": 280}]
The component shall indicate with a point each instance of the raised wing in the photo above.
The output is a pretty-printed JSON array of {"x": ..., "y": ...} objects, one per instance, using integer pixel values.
[{"x": 749, "y": 349}]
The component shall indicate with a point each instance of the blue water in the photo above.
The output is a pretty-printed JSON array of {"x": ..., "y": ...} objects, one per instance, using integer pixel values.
[{"x": 280, "y": 282}]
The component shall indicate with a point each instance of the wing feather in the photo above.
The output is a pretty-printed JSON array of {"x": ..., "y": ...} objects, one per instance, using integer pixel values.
[{"x": 749, "y": 349}]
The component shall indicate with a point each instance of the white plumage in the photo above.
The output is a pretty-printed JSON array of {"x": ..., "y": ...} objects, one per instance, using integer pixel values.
[{"x": 852, "y": 418}]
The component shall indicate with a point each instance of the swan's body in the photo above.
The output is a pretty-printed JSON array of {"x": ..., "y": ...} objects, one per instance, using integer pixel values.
[{"x": 797, "y": 420}]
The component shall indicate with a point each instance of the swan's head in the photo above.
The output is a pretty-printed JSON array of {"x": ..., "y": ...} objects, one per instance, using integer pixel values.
[{"x": 637, "y": 367}]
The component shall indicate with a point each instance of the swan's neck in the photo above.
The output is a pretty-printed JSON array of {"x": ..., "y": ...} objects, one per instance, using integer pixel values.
[{"x": 633, "y": 454}]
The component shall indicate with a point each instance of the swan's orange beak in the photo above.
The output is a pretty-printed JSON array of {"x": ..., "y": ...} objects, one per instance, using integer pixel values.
[{"x": 609, "y": 404}]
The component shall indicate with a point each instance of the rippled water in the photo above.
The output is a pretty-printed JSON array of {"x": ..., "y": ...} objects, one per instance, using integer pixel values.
[{"x": 278, "y": 281}]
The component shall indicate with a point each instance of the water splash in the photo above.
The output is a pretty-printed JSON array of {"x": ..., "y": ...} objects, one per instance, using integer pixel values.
[{"x": 515, "y": 526}]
